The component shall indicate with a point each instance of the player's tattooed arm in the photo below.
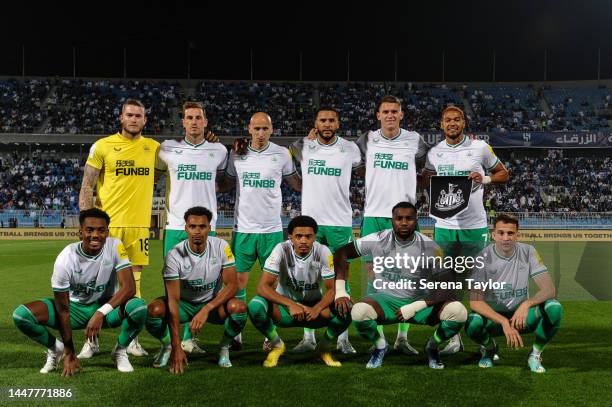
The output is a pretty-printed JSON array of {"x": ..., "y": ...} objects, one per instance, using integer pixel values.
[
  {"x": 295, "y": 182},
  {"x": 71, "y": 363},
  {"x": 90, "y": 178},
  {"x": 225, "y": 183},
  {"x": 267, "y": 289},
  {"x": 424, "y": 179}
]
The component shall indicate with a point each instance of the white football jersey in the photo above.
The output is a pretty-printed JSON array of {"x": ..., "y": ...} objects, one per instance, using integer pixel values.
[
  {"x": 89, "y": 278},
  {"x": 461, "y": 159},
  {"x": 301, "y": 278},
  {"x": 258, "y": 187},
  {"x": 326, "y": 179},
  {"x": 391, "y": 175},
  {"x": 513, "y": 274},
  {"x": 383, "y": 245},
  {"x": 200, "y": 275},
  {"x": 190, "y": 179}
]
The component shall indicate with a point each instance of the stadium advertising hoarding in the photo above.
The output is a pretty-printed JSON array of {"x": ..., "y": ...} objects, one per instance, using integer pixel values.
[
  {"x": 226, "y": 233},
  {"x": 536, "y": 139}
]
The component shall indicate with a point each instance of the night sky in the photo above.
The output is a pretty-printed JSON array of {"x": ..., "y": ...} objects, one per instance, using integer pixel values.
[{"x": 381, "y": 42}]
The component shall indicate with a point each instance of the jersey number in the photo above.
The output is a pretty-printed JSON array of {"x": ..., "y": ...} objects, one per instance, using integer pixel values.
[{"x": 144, "y": 245}]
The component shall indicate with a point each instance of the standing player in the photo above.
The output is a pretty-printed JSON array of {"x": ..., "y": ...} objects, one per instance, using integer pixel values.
[
  {"x": 390, "y": 157},
  {"x": 191, "y": 166},
  {"x": 392, "y": 304},
  {"x": 290, "y": 291},
  {"x": 509, "y": 311},
  {"x": 84, "y": 279},
  {"x": 200, "y": 280},
  {"x": 327, "y": 163},
  {"x": 459, "y": 155},
  {"x": 122, "y": 165},
  {"x": 257, "y": 177}
]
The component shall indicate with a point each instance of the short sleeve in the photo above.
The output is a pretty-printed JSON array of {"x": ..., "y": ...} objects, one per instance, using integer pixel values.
[
  {"x": 489, "y": 159},
  {"x": 171, "y": 267},
  {"x": 362, "y": 144},
  {"x": 160, "y": 163},
  {"x": 536, "y": 264},
  {"x": 121, "y": 258},
  {"x": 288, "y": 166},
  {"x": 96, "y": 156},
  {"x": 273, "y": 262},
  {"x": 230, "y": 170},
  {"x": 356, "y": 159},
  {"x": 327, "y": 263},
  {"x": 428, "y": 165},
  {"x": 365, "y": 245},
  {"x": 228, "y": 256},
  {"x": 422, "y": 148},
  {"x": 60, "y": 280},
  {"x": 223, "y": 164}
]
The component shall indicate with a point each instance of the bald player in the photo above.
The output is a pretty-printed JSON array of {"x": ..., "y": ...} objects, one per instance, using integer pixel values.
[{"x": 257, "y": 175}]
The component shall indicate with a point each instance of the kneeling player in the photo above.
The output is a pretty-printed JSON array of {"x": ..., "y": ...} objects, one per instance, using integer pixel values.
[
  {"x": 201, "y": 282},
  {"x": 290, "y": 295},
  {"x": 509, "y": 311},
  {"x": 83, "y": 282},
  {"x": 392, "y": 304}
]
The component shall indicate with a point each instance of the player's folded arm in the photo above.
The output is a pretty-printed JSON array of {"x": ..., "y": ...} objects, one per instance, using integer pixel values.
[{"x": 267, "y": 288}]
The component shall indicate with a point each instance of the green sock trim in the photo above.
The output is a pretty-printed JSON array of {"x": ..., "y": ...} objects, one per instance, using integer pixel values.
[{"x": 403, "y": 327}]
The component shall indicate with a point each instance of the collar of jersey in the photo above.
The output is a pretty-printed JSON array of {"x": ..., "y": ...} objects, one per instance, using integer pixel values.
[
  {"x": 258, "y": 151},
  {"x": 502, "y": 257},
  {"x": 87, "y": 256},
  {"x": 305, "y": 257},
  {"x": 327, "y": 145},
  {"x": 405, "y": 244},
  {"x": 193, "y": 145},
  {"x": 456, "y": 145},
  {"x": 192, "y": 252},
  {"x": 389, "y": 138}
]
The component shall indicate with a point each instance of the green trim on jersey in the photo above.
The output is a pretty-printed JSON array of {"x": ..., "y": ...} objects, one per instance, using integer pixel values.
[
  {"x": 389, "y": 138},
  {"x": 258, "y": 151},
  {"x": 193, "y": 145},
  {"x": 174, "y": 237},
  {"x": 504, "y": 257},
  {"x": 458, "y": 144},
  {"x": 327, "y": 145},
  {"x": 87, "y": 256},
  {"x": 123, "y": 267},
  {"x": 192, "y": 252}
]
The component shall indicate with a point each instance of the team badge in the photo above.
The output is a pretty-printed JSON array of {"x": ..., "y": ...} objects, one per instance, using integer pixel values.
[{"x": 449, "y": 195}]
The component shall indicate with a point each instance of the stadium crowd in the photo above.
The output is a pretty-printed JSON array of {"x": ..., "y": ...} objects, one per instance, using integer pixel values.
[
  {"x": 48, "y": 180},
  {"x": 91, "y": 106}
]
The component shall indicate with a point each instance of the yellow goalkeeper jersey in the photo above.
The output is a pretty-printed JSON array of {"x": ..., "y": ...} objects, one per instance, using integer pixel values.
[{"x": 125, "y": 185}]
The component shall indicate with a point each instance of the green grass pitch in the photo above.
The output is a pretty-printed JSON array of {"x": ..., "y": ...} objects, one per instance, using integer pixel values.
[{"x": 579, "y": 360}]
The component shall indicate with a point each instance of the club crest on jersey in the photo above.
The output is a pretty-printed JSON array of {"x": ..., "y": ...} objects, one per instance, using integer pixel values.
[
  {"x": 439, "y": 154},
  {"x": 243, "y": 157},
  {"x": 178, "y": 151},
  {"x": 450, "y": 199},
  {"x": 312, "y": 146},
  {"x": 117, "y": 149},
  {"x": 187, "y": 268},
  {"x": 450, "y": 195},
  {"x": 376, "y": 139}
]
